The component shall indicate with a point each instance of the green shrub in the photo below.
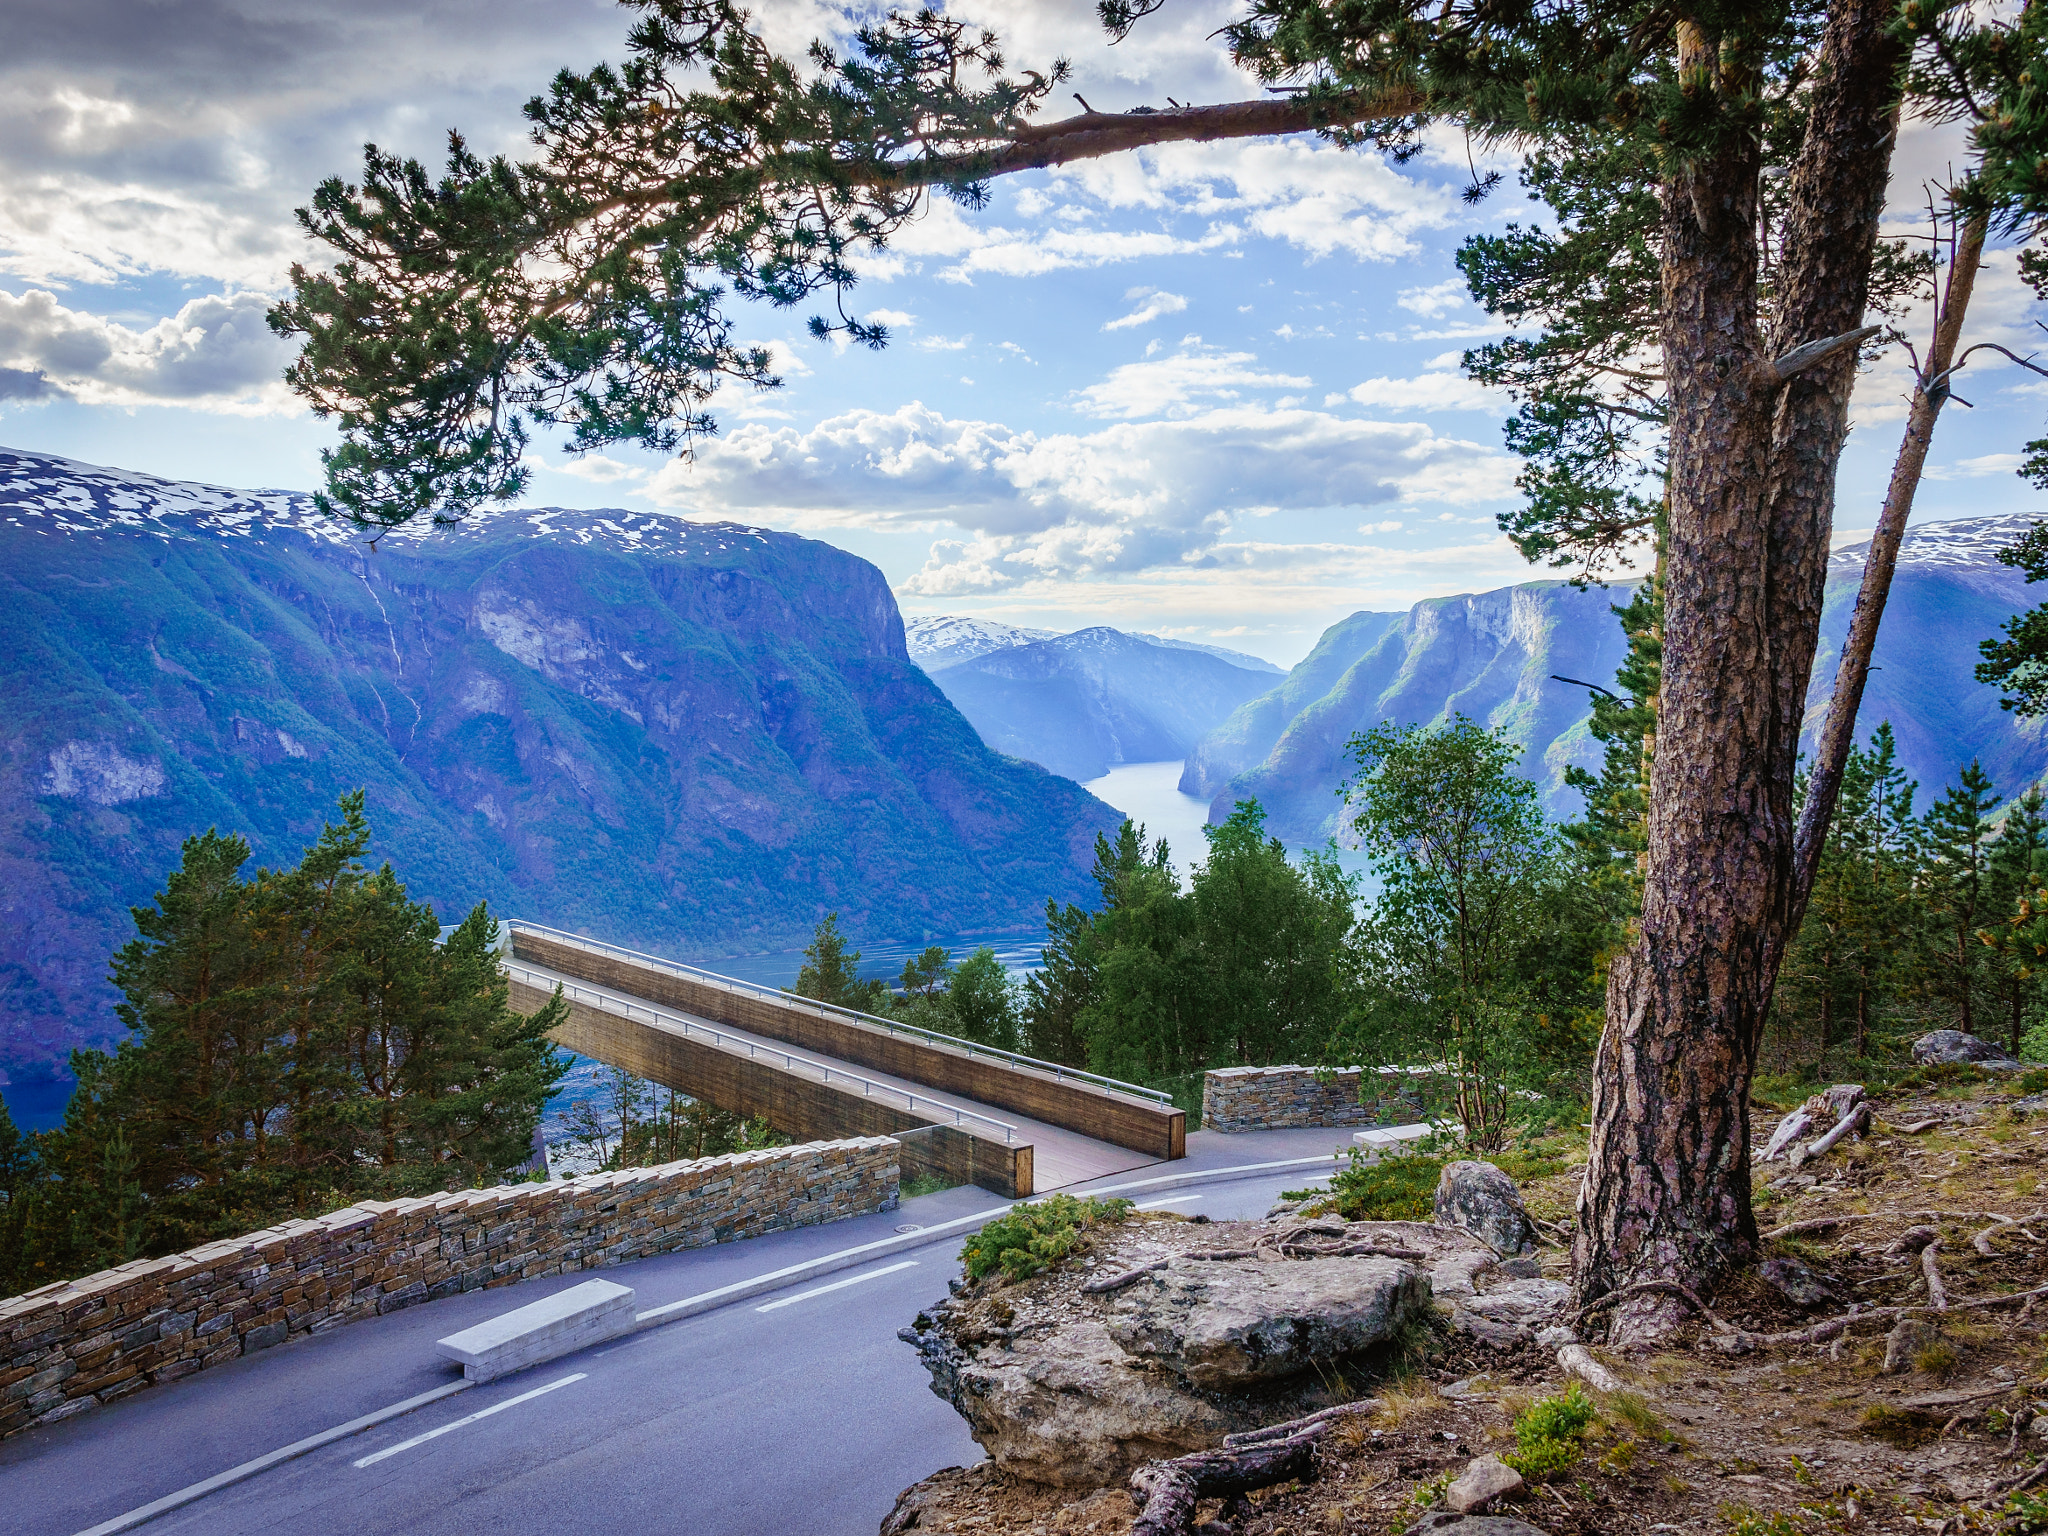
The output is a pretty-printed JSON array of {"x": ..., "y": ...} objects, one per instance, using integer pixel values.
[
  {"x": 1392, "y": 1189},
  {"x": 1028, "y": 1239},
  {"x": 1548, "y": 1432}
]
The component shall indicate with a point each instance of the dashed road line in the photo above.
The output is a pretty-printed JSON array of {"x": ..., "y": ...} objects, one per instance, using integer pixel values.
[{"x": 482, "y": 1413}]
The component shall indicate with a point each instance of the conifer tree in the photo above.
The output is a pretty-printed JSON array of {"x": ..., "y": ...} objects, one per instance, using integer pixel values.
[
  {"x": 831, "y": 972},
  {"x": 1958, "y": 830}
]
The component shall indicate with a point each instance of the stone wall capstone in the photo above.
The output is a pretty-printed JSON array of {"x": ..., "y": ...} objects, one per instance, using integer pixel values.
[
  {"x": 1281, "y": 1098},
  {"x": 68, "y": 1347}
]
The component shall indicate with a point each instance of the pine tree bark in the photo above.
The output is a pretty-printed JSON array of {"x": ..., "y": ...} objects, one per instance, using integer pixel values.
[{"x": 1667, "y": 1188}]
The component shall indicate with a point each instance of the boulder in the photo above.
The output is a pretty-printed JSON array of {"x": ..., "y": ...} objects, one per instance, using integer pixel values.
[
  {"x": 1903, "y": 1344},
  {"x": 1078, "y": 1388},
  {"x": 1485, "y": 1479},
  {"x": 1226, "y": 1326},
  {"x": 1952, "y": 1045},
  {"x": 1798, "y": 1284},
  {"x": 1480, "y": 1199},
  {"x": 1064, "y": 1405},
  {"x": 1510, "y": 1315}
]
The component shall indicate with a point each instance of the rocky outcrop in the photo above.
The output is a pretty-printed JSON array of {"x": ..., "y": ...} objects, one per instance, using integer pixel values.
[
  {"x": 1952, "y": 1045},
  {"x": 1060, "y": 1385},
  {"x": 1222, "y": 1327},
  {"x": 1482, "y": 1200}
]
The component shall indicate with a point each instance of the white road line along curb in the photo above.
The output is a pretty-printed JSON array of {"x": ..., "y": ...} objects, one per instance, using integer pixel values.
[
  {"x": 248, "y": 1469},
  {"x": 838, "y": 1285},
  {"x": 482, "y": 1413}
]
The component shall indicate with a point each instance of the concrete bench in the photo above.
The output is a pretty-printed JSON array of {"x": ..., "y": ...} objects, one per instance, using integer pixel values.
[
  {"x": 1390, "y": 1140},
  {"x": 569, "y": 1320}
]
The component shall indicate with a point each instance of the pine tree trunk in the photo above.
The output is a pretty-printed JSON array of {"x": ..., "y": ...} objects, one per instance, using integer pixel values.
[
  {"x": 1667, "y": 1185},
  {"x": 1838, "y": 735}
]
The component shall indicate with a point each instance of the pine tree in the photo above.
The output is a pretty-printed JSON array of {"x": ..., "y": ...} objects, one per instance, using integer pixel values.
[
  {"x": 2019, "y": 862},
  {"x": 1958, "y": 834},
  {"x": 831, "y": 972}
]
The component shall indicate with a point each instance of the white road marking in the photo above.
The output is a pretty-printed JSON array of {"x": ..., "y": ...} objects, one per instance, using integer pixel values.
[
  {"x": 485, "y": 1413},
  {"x": 1153, "y": 1205},
  {"x": 248, "y": 1469},
  {"x": 838, "y": 1285}
]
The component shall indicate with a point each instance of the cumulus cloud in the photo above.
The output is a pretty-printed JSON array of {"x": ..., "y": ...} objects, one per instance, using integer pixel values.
[
  {"x": 1442, "y": 386},
  {"x": 216, "y": 351},
  {"x": 1153, "y": 303},
  {"x": 1437, "y": 299},
  {"x": 1175, "y": 384},
  {"x": 1131, "y": 497}
]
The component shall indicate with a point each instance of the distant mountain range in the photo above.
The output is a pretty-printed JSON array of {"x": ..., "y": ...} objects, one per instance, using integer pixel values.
[
  {"x": 1083, "y": 702},
  {"x": 691, "y": 737},
  {"x": 1496, "y": 657}
]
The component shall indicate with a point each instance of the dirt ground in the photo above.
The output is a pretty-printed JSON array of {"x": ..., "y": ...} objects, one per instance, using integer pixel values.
[{"x": 1715, "y": 1437}]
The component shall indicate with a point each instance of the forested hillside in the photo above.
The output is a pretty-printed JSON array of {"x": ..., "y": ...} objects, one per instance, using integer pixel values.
[{"x": 686, "y": 736}]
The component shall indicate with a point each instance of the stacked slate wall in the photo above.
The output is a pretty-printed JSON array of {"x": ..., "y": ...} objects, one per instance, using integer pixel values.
[
  {"x": 67, "y": 1348},
  {"x": 1282, "y": 1098}
]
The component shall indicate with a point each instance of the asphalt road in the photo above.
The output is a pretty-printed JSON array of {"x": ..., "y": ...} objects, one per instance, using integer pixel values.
[{"x": 796, "y": 1411}]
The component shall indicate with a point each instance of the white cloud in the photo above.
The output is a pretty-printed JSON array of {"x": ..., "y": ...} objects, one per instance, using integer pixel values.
[
  {"x": 1438, "y": 299},
  {"x": 902, "y": 319},
  {"x": 1174, "y": 384},
  {"x": 1440, "y": 387},
  {"x": 1130, "y": 497},
  {"x": 1155, "y": 303},
  {"x": 217, "y": 352},
  {"x": 942, "y": 343},
  {"x": 1977, "y": 468}
]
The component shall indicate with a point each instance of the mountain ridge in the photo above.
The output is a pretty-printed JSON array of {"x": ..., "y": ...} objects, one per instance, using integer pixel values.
[
  {"x": 1497, "y": 656},
  {"x": 683, "y": 736}
]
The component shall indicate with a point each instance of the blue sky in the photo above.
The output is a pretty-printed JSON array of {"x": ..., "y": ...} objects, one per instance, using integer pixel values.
[{"x": 1209, "y": 391}]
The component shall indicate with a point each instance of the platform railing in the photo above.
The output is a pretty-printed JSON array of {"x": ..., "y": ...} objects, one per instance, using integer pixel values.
[
  {"x": 1013, "y": 1059},
  {"x": 607, "y": 1001}
]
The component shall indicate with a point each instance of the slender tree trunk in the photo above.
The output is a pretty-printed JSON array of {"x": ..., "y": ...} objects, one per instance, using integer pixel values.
[
  {"x": 1838, "y": 735},
  {"x": 1667, "y": 1187}
]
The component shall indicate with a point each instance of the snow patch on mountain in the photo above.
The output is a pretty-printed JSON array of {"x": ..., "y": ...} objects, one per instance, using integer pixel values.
[
  {"x": 946, "y": 639},
  {"x": 42, "y": 493},
  {"x": 1962, "y": 541}
]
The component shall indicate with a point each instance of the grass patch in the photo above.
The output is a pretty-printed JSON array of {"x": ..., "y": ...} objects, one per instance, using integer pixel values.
[
  {"x": 1549, "y": 1432},
  {"x": 1938, "y": 1359},
  {"x": 1029, "y": 1239},
  {"x": 1392, "y": 1189},
  {"x": 1744, "y": 1521},
  {"x": 924, "y": 1184}
]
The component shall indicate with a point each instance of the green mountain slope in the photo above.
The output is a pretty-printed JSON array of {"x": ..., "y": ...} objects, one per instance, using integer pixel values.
[{"x": 688, "y": 737}]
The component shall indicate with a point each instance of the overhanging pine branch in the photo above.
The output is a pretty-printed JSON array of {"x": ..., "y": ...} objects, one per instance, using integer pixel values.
[{"x": 1091, "y": 135}]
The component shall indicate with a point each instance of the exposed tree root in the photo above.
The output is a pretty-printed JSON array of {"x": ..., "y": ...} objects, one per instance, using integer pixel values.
[
  {"x": 1168, "y": 1491},
  {"x": 1820, "y": 1223},
  {"x": 1128, "y": 1277}
]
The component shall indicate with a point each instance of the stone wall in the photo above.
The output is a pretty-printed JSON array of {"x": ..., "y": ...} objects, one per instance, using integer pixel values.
[
  {"x": 1281, "y": 1098},
  {"x": 68, "y": 1347}
]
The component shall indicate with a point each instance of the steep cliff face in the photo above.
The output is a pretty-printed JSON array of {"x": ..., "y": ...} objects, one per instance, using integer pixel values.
[
  {"x": 683, "y": 736},
  {"x": 1492, "y": 657},
  {"x": 1083, "y": 702},
  {"x": 1489, "y": 657}
]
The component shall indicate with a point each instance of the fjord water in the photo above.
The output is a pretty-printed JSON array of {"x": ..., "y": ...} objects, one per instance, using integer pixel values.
[{"x": 1145, "y": 792}]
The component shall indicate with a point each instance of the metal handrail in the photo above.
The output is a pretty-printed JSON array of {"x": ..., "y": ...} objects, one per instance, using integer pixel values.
[
  {"x": 612, "y": 1002},
  {"x": 893, "y": 1026}
]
